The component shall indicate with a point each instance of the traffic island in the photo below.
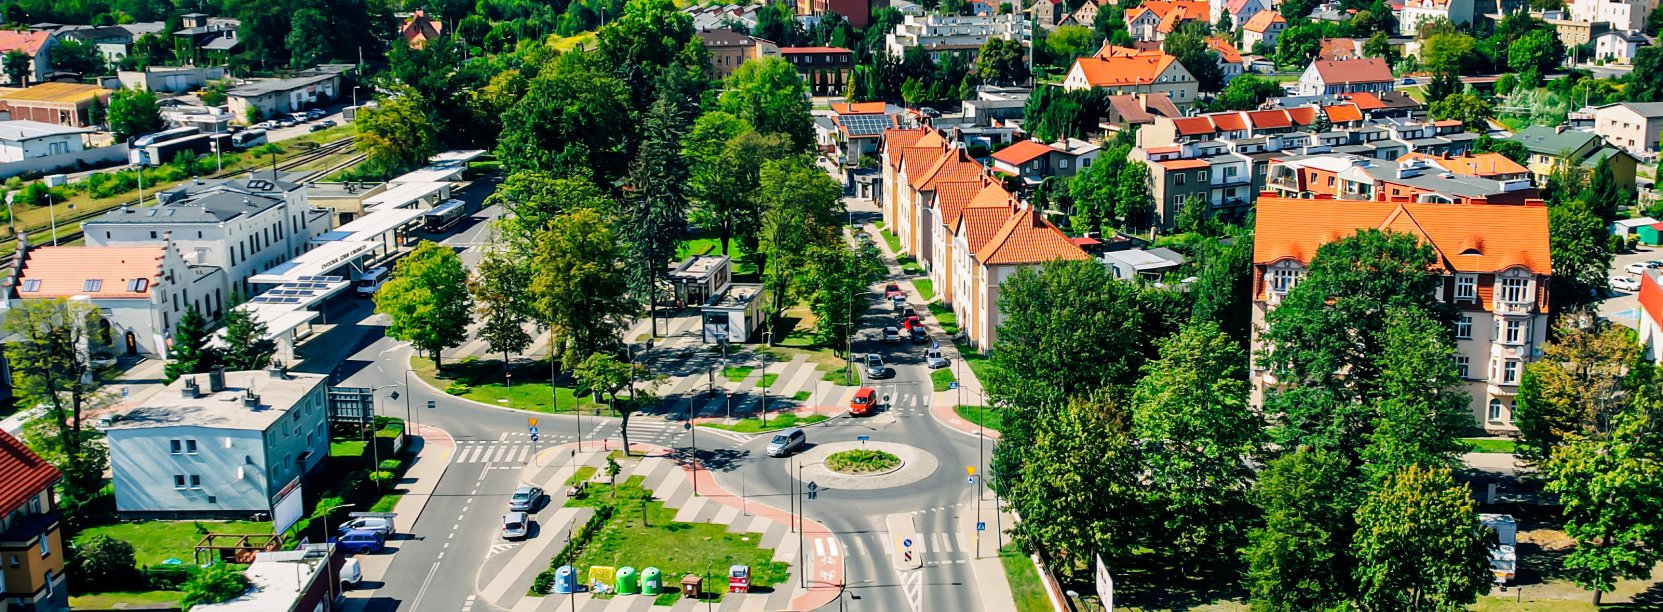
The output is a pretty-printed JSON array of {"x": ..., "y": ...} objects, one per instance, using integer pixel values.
[{"x": 911, "y": 464}]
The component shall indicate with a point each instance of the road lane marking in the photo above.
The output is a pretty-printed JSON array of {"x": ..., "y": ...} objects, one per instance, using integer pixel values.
[
  {"x": 819, "y": 547},
  {"x": 416, "y": 603}
]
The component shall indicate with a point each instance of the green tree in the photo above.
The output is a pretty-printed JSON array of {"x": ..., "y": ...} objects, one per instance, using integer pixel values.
[
  {"x": 214, "y": 584},
  {"x": 1301, "y": 560},
  {"x": 655, "y": 212},
  {"x": 1069, "y": 42},
  {"x": 19, "y": 67},
  {"x": 1380, "y": 46},
  {"x": 1188, "y": 44},
  {"x": 501, "y": 291},
  {"x": 190, "y": 353},
  {"x": 646, "y": 44},
  {"x": 1581, "y": 251},
  {"x": 1578, "y": 386},
  {"x": 1068, "y": 329},
  {"x": 52, "y": 347},
  {"x": 1512, "y": 149},
  {"x": 247, "y": 346},
  {"x": 1246, "y": 92},
  {"x": 1192, "y": 217},
  {"x": 71, "y": 55},
  {"x": 1645, "y": 82},
  {"x": 1422, "y": 410},
  {"x": 572, "y": 120},
  {"x": 309, "y": 37},
  {"x": 835, "y": 282},
  {"x": 1192, "y": 404},
  {"x": 1094, "y": 189},
  {"x": 1610, "y": 487},
  {"x": 769, "y": 95},
  {"x": 134, "y": 112},
  {"x": 1223, "y": 289},
  {"x": 1419, "y": 545},
  {"x": 1133, "y": 203},
  {"x": 105, "y": 561},
  {"x": 802, "y": 209},
  {"x": 1002, "y": 62},
  {"x": 536, "y": 198},
  {"x": 397, "y": 135},
  {"x": 1446, "y": 52},
  {"x": 604, "y": 374},
  {"x": 1472, "y": 111},
  {"x": 581, "y": 287},
  {"x": 1540, "y": 49},
  {"x": 1605, "y": 195},
  {"x": 1299, "y": 43},
  {"x": 426, "y": 300}
]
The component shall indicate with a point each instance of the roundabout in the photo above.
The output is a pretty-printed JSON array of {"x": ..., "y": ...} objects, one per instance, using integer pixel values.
[{"x": 872, "y": 465}]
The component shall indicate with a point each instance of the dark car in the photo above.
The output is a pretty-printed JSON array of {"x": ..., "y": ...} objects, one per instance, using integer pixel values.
[
  {"x": 362, "y": 541},
  {"x": 919, "y": 336},
  {"x": 875, "y": 367}
]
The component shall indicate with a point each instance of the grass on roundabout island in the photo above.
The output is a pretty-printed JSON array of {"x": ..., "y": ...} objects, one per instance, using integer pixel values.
[
  {"x": 861, "y": 461},
  {"x": 776, "y": 421}
]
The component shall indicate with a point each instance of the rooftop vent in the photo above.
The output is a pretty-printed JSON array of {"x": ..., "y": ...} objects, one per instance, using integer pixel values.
[
  {"x": 191, "y": 390},
  {"x": 216, "y": 379},
  {"x": 251, "y": 399}
]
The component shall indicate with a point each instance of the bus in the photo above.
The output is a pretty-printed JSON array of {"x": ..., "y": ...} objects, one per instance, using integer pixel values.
[
  {"x": 163, "y": 136},
  {"x": 248, "y": 138},
  {"x": 445, "y": 215}
]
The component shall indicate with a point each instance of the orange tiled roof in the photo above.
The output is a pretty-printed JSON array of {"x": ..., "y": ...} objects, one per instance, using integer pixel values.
[
  {"x": 421, "y": 28},
  {"x": 858, "y": 108},
  {"x": 65, "y": 270},
  {"x": 981, "y": 223},
  {"x": 896, "y": 140},
  {"x": 1180, "y": 14},
  {"x": 1366, "y": 101},
  {"x": 1110, "y": 50},
  {"x": 27, "y": 42},
  {"x": 1337, "y": 48},
  {"x": 955, "y": 165},
  {"x": 1343, "y": 113},
  {"x": 1472, "y": 164},
  {"x": 1022, "y": 152},
  {"x": 951, "y": 198},
  {"x": 917, "y": 160},
  {"x": 1182, "y": 164},
  {"x": 1119, "y": 70},
  {"x": 1268, "y": 119},
  {"x": 1225, "y": 50},
  {"x": 1229, "y": 122},
  {"x": 1302, "y": 115},
  {"x": 1028, "y": 238},
  {"x": 1469, "y": 237},
  {"x": 23, "y": 474},
  {"x": 1365, "y": 70},
  {"x": 1190, "y": 126},
  {"x": 1262, "y": 20}
]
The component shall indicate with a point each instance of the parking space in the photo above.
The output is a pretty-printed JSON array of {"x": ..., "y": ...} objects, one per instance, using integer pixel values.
[{"x": 1622, "y": 306}]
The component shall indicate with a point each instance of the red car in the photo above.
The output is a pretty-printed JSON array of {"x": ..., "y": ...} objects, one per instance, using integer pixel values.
[{"x": 893, "y": 291}]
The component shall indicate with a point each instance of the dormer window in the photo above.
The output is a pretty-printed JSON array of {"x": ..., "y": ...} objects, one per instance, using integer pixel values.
[
  {"x": 31, "y": 284},
  {"x": 138, "y": 285},
  {"x": 92, "y": 285}
]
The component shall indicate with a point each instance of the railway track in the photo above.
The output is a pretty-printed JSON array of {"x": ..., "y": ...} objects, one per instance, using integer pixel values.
[{"x": 8, "y": 246}]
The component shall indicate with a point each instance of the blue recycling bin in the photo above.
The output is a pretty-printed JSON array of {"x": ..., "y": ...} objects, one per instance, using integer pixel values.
[{"x": 565, "y": 580}]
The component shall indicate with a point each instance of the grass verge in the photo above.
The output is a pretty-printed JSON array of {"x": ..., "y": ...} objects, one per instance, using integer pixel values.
[
  {"x": 1490, "y": 445},
  {"x": 910, "y": 265},
  {"x": 890, "y": 239},
  {"x": 802, "y": 396},
  {"x": 482, "y": 381},
  {"x": 861, "y": 461},
  {"x": 117, "y": 600},
  {"x": 778, "y": 421},
  {"x": 1026, "y": 588},
  {"x": 940, "y": 379},
  {"x": 986, "y": 416},
  {"x": 926, "y": 289},
  {"x": 643, "y": 533},
  {"x": 347, "y": 448},
  {"x": 157, "y": 541},
  {"x": 945, "y": 315},
  {"x": 583, "y": 474},
  {"x": 737, "y": 373}
]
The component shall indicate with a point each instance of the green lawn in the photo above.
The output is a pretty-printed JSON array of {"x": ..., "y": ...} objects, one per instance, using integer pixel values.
[
  {"x": 945, "y": 315},
  {"x": 1490, "y": 445},
  {"x": 1026, "y": 588},
  {"x": 926, "y": 289},
  {"x": 347, "y": 448},
  {"x": 386, "y": 503},
  {"x": 484, "y": 383},
  {"x": 737, "y": 373},
  {"x": 941, "y": 378},
  {"x": 890, "y": 239},
  {"x": 775, "y": 421},
  {"x": 986, "y": 416},
  {"x": 836, "y": 376},
  {"x": 676, "y": 549},
  {"x": 802, "y": 396},
  {"x": 910, "y": 265},
  {"x": 768, "y": 380},
  {"x": 157, "y": 541},
  {"x": 583, "y": 474},
  {"x": 121, "y": 599}
]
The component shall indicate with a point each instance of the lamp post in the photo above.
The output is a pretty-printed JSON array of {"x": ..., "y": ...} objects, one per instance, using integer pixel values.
[{"x": 408, "y": 415}]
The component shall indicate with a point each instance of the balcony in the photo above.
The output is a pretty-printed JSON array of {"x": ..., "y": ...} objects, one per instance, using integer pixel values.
[
  {"x": 1288, "y": 182},
  {"x": 1503, "y": 389},
  {"x": 1508, "y": 307}
]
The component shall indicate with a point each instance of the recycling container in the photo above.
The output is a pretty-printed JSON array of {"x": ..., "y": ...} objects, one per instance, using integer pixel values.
[
  {"x": 628, "y": 583},
  {"x": 565, "y": 580},
  {"x": 652, "y": 581}
]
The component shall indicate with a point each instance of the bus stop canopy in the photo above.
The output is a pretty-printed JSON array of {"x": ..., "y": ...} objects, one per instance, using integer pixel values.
[
  {"x": 400, "y": 195},
  {"x": 372, "y": 226},
  {"x": 318, "y": 262}
]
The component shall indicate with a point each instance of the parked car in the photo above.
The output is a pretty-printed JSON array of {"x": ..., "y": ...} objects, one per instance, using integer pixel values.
[
  {"x": 787, "y": 442},
  {"x": 1638, "y": 267},
  {"x": 525, "y": 498},
  {"x": 316, "y": 113},
  {"x": 864, "y": 402},
  {"x": 263, "y": 125},
  {"x": 875, "y": 367},
  {"x": 893, "y": 291},
  {"x": 1625, "y": 283},
  {"x": 891, "y": 335},
  {"x": 908, "y": 313},
  {"x": 351, "y": 574},
  {"x": 328, "y": 123},
  {"x": 362, "y": 541},
  {"x": 515, "y": 525},
  {"x": 934, "y": 359},
  {"x": 285, "y": 122},
  {"x": 382, "y": 525},
  {"x": 898, "y": 302}
]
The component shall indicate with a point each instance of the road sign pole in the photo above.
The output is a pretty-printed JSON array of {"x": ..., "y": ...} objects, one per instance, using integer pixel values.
[{"x": 802, "y": 568}]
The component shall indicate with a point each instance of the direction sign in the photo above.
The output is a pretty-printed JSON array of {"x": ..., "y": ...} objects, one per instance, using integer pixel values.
[
  {"x": 970, "y": 481},
  {"x": 687, "y": 425},
  {"x": 534, "y": 437},
  {"x": 907, "y": 542},
  {"x": 813, "y": 486},
  {"x": 862, "y": 438},
  {"x": 534, "y": 430}
]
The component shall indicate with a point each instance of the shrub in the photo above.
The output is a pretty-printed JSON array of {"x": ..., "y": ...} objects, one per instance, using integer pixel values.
[
  {"x": 458, "y": 388},
  {"x": 165, "y": 577},
  {"x": 382, "y": 476},
  {"x": 219, "y": 582},
  {"x": 390, "y": 465},
  {"x": 105, "y": 562},
  {"x": 543, "y": 583}
]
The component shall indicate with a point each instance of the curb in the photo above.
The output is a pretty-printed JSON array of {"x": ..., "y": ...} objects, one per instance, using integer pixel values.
[
  {"x": 445, "y": 467},
  {"x": 941, "y": 419},
  {"x": 752, "y": 435}
]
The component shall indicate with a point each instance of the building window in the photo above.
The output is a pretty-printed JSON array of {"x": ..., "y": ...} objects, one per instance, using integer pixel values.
[
  {"x": 1514, "y": 289},
  {"x": 196, "y": 481},
  {"x": 1517, "y": 331},
  {"x": 31, "y": 284},
  {"x": 190, "y": 447},
  {"x": 1510, "y": 372},
  {"x": 138, "y": 285},
  {"x": 173, "y": 446},
  {"x": 1494, "y": 415},
  {"x": 1466, "y": 287},
  {"x": 46, "y": 549},
  {"x": 1464, "y": 364},
  {"x": 1463, "y": 328},
  {"x": 1282, "y": 281},
  {"x": 92, "y": 285},
  {"x": 179, "y": 481},
  {"x": 1177, "y": 179}
]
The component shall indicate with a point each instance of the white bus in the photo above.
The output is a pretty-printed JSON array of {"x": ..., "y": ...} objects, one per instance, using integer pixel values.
[
  {"x": 248, "y": 138},
  {"x": 371, "y": 281}
]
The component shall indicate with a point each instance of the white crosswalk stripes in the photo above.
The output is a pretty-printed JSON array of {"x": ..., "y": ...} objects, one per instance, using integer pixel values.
[
  {"x": 826, "y": 547},
  {"x": 513, "y": 451},
  {"x": 912, "y": 583}
]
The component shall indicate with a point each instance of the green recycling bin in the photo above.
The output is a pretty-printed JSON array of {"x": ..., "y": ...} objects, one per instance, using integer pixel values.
[
  {"x": 628, "y": 582},
  {"x": 652, "y": 581}
]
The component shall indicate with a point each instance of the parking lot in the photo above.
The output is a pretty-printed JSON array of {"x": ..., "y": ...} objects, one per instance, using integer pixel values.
[{"x": 1623, "y": 307}]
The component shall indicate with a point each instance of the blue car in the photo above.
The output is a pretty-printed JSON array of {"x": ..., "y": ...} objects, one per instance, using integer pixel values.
[{"x": 362, "y": 541}]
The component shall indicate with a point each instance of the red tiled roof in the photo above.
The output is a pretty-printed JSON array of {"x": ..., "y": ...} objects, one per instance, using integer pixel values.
[
  {"x": 1190, "y": 126},
  {"x": 1472, "y": 164},
  {"x": 27, "y": 42},
  {"x": 1022, "y": 152},
  {"x": 1028, "y": 238},
  {"x": 1228, "y": 122},
  {"x": 1337, "y": 49},
  {"x": 801, "y": 50},
  {"x": 896, "y": 140},
  {"x": 1262, "y": 20},
  {"x": 1651, "y": 298},
  {"x": 951, "y": 198},
  {"x": 1342, "y": 113},
  {"x": 1365, "y": 70},
  {"x": 1225, "y": 50},
  {"x": 917, "y": 160},
  {"x": 1508, "y": 235},
  {"x": 1171, "y": 149},
  {"x": 1269, "y": 119},
  {"x": 1182, "y": 164},
  {"x": 65, "y": 270},
  {"x": 1302, "y": 115},
  {"x": 23, "y": 474}
]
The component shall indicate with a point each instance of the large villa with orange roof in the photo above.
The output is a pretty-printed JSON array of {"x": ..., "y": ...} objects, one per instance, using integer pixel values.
[
  {"x": 1118, "y": 70},
  {"x": 1495, "y": 265},
  {"x": 962, "y": 226}
]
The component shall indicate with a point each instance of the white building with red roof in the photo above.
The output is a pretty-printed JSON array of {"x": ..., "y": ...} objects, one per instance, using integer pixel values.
[
  {"x": 1119, "y": 71},
  {"x": 35, "y": 44},
  {"x": 1240, "y": 11},
  {"x": 1264, "y": 27},
  {"x": 1418, "y": 12},
  {"x": 1326, "y": 77}
]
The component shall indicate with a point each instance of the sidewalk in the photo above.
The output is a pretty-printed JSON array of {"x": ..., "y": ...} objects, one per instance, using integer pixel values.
[{"x": 511, "y": 574}]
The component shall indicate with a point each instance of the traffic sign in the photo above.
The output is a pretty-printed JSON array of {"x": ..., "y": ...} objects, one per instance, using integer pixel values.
[
  {"x": 534, "y": 436},
  {"x": 907, "y": 542},
  {"x": 862, "y": 438},
  {"x": 970, "y": 481},
  {"x": 687, "y": 425},
  {"x": 534, "y": 430},
  {"x": 952, "y": 385},
  {"x": 532, "y": 422},
  {"x": 813, "y": 486},
  {"x": 981, "y": 525},
  {"x": 970, "y": 469}
]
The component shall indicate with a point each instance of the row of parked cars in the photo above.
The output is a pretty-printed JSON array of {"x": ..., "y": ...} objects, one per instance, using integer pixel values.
[
  {"x": 297, "y": 118},
  {"x": 1632, "y": 283}
]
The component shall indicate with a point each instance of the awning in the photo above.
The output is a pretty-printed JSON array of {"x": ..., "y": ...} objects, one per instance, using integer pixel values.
[
  {"x": 320, "y": 261},
  {"x": 401, "y": 195}
]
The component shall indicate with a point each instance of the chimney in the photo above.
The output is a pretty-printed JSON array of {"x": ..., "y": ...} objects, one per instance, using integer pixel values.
[
  {"x": 278, "y": 370},
  {"x": 1559, "y": 129},
  {"x": 216, "y": 379},
  {"x": 251, "y": 400},
  {"x": 191, "y": 390}
]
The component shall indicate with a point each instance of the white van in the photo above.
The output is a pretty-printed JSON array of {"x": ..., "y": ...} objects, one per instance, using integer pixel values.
[
  {"x": 351, "y": 574},
  {"x": 371, "y": 281}
]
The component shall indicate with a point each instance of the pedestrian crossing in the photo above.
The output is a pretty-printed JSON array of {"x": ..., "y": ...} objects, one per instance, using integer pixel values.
[
  {"x": 468, "y": 451},
  {"x": 654, "y": 430},
  {"x": 939, "y": 548}
]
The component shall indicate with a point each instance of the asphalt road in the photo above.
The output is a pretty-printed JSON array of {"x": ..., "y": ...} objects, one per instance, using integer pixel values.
[{"x": 436, "y": 566}]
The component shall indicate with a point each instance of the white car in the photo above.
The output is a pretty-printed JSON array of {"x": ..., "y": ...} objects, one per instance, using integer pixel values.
[
  {"x": 383, "y": 525},
  {"x": 934, "y": 359},
  {"x": 1626, "y": 283},
  {"x": 515, "y": 525},
  {"x": 1638, "y": 267}
]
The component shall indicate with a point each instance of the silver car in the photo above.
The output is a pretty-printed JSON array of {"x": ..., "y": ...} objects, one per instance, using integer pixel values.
[
  {"x": 787, "y": 442},
  {"x": 515, "y": 525},
  {"x": 525, "y": 498},
  {"x": 933, "y": 358}
]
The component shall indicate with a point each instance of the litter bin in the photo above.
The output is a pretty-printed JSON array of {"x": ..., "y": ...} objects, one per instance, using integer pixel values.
[
  {"x": 565, "y": 580},
  {"x": 652, "y": 581},
  {"x": 692, "y": 586},
  {"x": 627, "y": 583}
]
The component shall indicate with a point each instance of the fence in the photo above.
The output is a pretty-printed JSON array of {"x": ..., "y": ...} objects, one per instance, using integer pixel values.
[{"x": 79, "y": 160}]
